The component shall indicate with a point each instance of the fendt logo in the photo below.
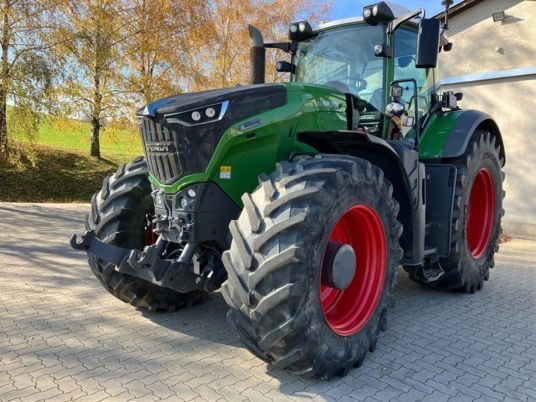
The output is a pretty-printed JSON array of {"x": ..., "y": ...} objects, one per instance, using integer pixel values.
[{"x": 160, "y": 147}]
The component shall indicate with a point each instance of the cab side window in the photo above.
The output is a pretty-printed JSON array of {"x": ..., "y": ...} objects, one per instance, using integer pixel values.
[{"x": 404, "y": 68}]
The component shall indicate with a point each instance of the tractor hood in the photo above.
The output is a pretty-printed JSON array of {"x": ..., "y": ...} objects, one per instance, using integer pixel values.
[
  {"x": 180, "y": 133},
  {"x": 239, "y": 101}
]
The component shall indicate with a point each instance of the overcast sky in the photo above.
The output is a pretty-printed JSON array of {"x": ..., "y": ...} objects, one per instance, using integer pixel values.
[{"x": 353, "y": 8}]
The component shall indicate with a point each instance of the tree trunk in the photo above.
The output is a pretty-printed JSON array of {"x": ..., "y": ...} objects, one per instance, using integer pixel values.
[
  {"x": 96, "y": 118},
  {"x": 95, "y": 144},
  {"x": 4, "y": 140},
  {"x": 97, "y": 102}
]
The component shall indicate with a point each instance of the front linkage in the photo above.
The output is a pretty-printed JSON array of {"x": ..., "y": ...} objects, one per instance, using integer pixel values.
[{"x": 148, "y": 265}]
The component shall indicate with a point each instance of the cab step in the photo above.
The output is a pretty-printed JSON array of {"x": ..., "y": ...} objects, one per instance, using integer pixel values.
[{"x": 432, "y": 273}]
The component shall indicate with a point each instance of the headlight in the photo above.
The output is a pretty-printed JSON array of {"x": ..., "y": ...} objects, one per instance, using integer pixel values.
[
  {"x": 210, "y": 112},
  {"x": 203, "y": 115},
  {"x": 196, "y": 116}
]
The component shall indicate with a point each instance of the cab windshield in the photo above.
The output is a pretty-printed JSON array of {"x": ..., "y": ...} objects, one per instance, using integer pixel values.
[{"x": 344, "y": 59}]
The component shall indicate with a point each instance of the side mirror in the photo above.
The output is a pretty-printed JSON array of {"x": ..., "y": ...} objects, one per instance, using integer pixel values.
[
  {"x": 403, "y": 114},
  {"x": 396, "y": 91},
  {"x": 395, "y": 108},
  {"x": 428, "y": 43},
  {"x": 284, "y": 67},
  {"x": 408, "y": 121}
]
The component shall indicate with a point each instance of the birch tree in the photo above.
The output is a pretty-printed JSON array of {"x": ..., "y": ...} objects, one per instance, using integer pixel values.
[
  {"x": 26, "y": 69},
  {"x": 93, "y": 62}
]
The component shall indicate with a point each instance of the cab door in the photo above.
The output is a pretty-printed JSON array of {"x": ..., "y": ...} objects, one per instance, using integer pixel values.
[{"x": 405, "y": 49}]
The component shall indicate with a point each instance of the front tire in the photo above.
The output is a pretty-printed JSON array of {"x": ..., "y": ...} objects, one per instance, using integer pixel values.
[
  {"x": 280, "y": 304},
  {"x": 118, "y": 217}
]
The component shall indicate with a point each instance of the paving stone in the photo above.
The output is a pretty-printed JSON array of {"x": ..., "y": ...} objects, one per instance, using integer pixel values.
[
  {"x": 412, "y": 396},
  {"x": 436, "y": 396},
  {"x": 63, "y": 337}
]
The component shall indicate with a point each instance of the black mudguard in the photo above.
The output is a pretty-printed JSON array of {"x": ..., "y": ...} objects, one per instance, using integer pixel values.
[
  {"x": 401, "y": 167},
  {"x": 463, "y": 129}
]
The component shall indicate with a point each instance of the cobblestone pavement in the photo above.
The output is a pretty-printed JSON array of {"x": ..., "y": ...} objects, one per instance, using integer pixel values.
[{"x": 63, "y": 337}]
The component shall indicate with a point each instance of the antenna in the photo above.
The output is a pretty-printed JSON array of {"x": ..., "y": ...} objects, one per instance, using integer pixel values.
[
  {"x": 447, "y": 4},
  {"x": 444, "y": 42}
]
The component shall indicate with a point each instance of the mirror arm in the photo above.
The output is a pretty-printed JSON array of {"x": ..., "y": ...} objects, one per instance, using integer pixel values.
[
  {"x": 394, "y": 24},
  {"x": 285, "y": 47}
]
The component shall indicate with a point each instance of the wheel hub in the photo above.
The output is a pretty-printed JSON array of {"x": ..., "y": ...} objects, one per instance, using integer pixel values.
[{"x": 339, "y": 265}]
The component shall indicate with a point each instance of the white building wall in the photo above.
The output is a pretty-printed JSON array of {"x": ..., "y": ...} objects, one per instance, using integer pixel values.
[{"x": 484, "y": 46}]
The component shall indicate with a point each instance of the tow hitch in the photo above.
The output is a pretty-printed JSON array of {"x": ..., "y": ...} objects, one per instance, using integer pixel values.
[{"x": 149, "y": 265}]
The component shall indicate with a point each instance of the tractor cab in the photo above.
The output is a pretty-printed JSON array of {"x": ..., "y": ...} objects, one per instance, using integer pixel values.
[
  {"x": 343, "y": 58},
  {"x": 363, "y": 58}
]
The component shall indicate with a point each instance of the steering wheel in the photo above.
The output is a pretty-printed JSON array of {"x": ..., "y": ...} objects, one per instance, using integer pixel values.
[{"x": 348, "y": 88}]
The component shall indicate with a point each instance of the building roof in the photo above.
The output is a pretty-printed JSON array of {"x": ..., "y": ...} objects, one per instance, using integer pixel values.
[{"x": 458, "y": 8}]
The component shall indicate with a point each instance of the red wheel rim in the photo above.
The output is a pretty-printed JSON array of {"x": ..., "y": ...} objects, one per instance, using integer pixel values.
[
  {"x": 346, "y": 311},
  {"x": 480, "y": 213}
]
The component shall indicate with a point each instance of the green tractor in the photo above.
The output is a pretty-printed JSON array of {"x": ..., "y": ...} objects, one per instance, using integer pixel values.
[{"x": 300, "y": 200}]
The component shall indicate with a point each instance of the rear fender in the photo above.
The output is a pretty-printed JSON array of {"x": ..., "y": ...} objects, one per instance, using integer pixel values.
[{"x": 448, "y": 135}]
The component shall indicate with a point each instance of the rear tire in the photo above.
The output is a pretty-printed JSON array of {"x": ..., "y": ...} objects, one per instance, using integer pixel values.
[
  {"x": 118, "y": 217},
  {"x": 475, "y": 236},
  {"x": 275, "y": 288}
]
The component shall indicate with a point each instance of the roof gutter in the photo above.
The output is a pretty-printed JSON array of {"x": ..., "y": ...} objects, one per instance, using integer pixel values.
[{"x": 489, "y": 76}]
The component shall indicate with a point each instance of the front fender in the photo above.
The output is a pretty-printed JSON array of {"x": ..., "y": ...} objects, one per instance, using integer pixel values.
[{"x": 402, "y": 173}]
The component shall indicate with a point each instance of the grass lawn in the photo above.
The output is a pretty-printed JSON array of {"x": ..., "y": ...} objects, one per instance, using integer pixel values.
[
  {"x": 62, "y": 170},
  {"x": 118, "y": 145}
]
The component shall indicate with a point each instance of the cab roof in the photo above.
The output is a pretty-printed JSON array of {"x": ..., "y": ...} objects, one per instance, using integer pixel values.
[{"x": 397, "y": 10}]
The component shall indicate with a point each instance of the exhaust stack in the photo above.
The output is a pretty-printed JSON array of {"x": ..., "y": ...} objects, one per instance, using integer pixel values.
[{"x": 257, "y": 56}]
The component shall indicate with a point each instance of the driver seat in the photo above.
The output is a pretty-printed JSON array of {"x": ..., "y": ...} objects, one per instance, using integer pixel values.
[{"x": 376, "y": 99}]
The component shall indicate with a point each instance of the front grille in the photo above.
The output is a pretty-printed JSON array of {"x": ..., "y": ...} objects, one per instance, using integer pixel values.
[
  {"x": 174, "y": 150},
  {"x": 162, "y": 151}
]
